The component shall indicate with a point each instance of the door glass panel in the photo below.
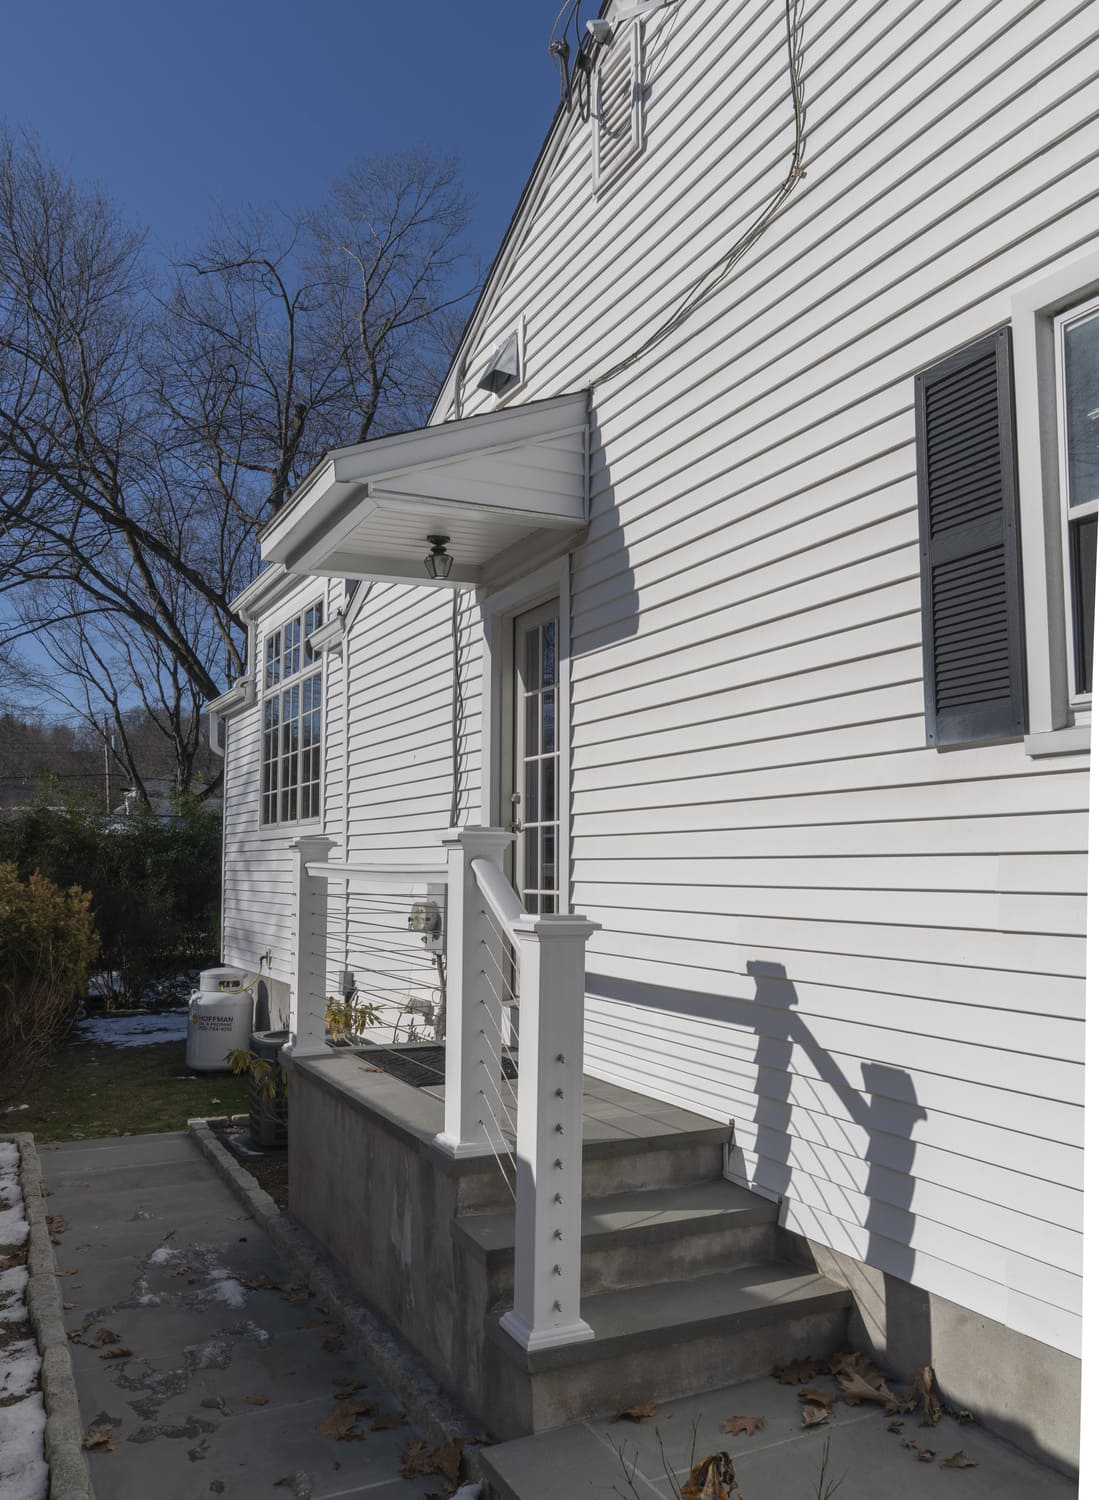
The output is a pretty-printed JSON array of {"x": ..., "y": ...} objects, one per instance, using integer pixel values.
[{"x": 536, "y": 756}]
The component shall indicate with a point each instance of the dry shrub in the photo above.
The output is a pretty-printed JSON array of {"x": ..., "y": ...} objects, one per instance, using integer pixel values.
[{"x": 47, "y": 947}]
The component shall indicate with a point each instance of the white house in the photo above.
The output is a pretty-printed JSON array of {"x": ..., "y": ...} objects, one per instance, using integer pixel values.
[{"x": 767, "y": 475}]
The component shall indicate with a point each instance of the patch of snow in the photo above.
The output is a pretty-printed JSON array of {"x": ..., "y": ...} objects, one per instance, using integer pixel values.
[
  {"x": 13, "y": 1283},
  {"x": 19, "y": 1367},
  {"x": 13, "y": 1223},
  {"x": 229, "y": 1291},
  {"x": 163, "y": 1256},
  {"x": 13, "y": 1109},
  {"x": 143, "y": 1296},
  {"x": 133, "y": 1031},
  {"x": 23, "y": 1471},
  {"x": 104, "y": 986}
]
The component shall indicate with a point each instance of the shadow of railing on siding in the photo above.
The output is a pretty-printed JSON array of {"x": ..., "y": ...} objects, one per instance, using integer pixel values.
[{"x": 900, "y": 1324}]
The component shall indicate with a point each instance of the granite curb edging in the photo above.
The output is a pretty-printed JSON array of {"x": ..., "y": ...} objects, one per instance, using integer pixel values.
[
  {"x": 429, "y": 1406},
  {"x": 70, "y": 1478}
]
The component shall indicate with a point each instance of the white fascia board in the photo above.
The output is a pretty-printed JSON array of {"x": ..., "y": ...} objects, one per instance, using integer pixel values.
[
  {"x": 241, "y": 695},
  {"x": 264, "y": 593}
]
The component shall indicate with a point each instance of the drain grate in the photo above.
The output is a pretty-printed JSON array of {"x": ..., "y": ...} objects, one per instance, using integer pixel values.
[{"x": 420, "y": 1066}]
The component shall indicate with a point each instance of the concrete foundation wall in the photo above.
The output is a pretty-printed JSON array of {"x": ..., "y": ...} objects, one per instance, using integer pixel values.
[
  {"x": 1021, "y": 1389},
  {"x": 383, "y": 1208}
]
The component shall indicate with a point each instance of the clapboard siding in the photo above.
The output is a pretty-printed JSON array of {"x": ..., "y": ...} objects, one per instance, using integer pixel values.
[
  {"x": 754, "y": 812},
  {"x": 866, "y": 954}
]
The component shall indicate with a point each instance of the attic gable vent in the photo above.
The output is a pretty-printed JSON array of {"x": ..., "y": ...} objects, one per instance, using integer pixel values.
[
  {"x": 503, "y": 369},
  {"x": 616, "y": 122}
]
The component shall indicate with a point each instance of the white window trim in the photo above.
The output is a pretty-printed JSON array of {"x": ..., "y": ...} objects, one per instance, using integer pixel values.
[
  {"x": 1078, "y": 702},
  {"x": 498, "y": 612},
  {"x": 280, "y": 827},
  {"x": 1055, "y": 724}
]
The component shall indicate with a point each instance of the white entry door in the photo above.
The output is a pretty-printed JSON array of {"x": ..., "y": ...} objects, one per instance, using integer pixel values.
[{"x": 534, "y": 797}]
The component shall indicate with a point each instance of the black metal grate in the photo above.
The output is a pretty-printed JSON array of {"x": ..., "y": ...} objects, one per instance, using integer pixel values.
[{"x": 420, "y": 1066}]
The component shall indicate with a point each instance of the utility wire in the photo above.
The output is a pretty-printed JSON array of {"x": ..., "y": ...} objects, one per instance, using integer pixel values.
[{"x": 710, "y": 281}]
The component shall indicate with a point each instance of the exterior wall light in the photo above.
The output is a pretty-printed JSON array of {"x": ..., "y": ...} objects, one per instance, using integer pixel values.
[{"x": 438, "y": 562}]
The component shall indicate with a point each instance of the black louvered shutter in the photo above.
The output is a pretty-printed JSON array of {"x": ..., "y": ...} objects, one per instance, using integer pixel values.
[{"x": 974, "y": 685}]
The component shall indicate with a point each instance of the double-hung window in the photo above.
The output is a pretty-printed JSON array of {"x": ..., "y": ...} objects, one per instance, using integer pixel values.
[
  {"x": 1076, "y": 334},
  {"x": 292, "y": 695}
]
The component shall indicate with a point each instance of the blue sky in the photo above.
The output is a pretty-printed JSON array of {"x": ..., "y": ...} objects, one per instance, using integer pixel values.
[
  {"x": 176, "y": 107},
  {"x": 173, "y": 106}
]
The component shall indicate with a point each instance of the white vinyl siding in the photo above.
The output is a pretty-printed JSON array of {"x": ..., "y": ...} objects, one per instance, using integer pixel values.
[{"x": 866, "y": 954}]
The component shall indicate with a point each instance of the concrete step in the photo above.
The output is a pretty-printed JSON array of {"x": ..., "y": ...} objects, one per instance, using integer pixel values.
[
  {"x": 660, "y": 1342},
  {"x": 682, "y": 1151},
  {"x": 640, "y": 1237}
]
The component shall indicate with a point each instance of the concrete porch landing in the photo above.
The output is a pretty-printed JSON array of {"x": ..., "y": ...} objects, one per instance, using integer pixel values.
[
  {"x": 782, "y": 1461},
  {"x": 611, "y": 1113}
]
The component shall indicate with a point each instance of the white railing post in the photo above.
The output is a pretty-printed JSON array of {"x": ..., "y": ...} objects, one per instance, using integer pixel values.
[
  {"x": 549, "y": 1148},
  {"x": 309, "y": 978},
  {"x": 474, "y": 1013}
]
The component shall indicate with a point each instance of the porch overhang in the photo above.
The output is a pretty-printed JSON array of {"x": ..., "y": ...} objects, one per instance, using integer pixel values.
[{"x": 510, "y": 481}]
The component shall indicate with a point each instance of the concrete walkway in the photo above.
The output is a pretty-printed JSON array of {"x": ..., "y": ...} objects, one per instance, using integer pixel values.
[
  {"x": 782, "y": 1461},
  {"x": 233, "y": 1366}
]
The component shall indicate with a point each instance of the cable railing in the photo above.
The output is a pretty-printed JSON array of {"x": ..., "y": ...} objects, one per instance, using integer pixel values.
[{"x": 513, "y": 1011}]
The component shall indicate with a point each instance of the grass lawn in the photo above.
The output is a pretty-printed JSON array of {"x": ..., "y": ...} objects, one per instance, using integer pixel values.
[{"x": 94, "y": 1090}]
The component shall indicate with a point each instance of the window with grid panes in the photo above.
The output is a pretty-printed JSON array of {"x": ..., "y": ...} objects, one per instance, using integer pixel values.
[{"x": 292, "y": 698}]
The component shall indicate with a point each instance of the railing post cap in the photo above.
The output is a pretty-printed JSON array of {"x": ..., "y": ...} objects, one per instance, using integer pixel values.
[
  {"x": 561, "y": 926},
  {"x": 316, "y": 845},
  {"x": 478, "y": 840}
]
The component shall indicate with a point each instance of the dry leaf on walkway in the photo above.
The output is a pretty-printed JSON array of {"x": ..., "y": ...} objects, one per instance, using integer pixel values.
[
  {"x": 101, "y": 1438},
  {"x": 262, "y": 1283},
  {"x": 926, "y": 1455},
  {"x": 257, "y": 1400},
  {"x": 711, "y": 1478},
  {"x": 895, "y": 1425},
  {"x": 119, "y": 1352},
  {"x": 812, "y": 1414},
  {"x": 385, "y": 1421},
  {"x": 418, "y": 1459},
  {"x": 169, "y": 1234},
  {"x": 959, "y": 1460},
  {"x": 800, "y": 1371},
  {"x": 342, "y": 1424},
  {"x": 922, "y": 1392},
  {"x": 56, "y": 1224},
  {"x": 636, "y": 1413},
  {"x": 817, "y": 1397},
  {"x": 860, "y": 1379},
  {"x": 909, "y": 1443},
  {"x": 80, "y": 1250},
  {"x": 747, "y": 1425},
  {"x": 106, "y": 1336},
  {"x": 347, "y": 1387}
]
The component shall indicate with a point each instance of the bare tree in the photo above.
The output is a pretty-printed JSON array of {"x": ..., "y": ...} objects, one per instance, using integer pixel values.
[{"x": 145, "y": 429}]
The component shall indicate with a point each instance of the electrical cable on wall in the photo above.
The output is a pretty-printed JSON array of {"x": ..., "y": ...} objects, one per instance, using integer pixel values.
[{"x": 710, "y": 281}]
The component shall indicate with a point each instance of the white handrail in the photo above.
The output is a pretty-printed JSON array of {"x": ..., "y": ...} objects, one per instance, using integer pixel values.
[
  {"x": 380, "y": 874},
  {"x": 498, "y": 893}
]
